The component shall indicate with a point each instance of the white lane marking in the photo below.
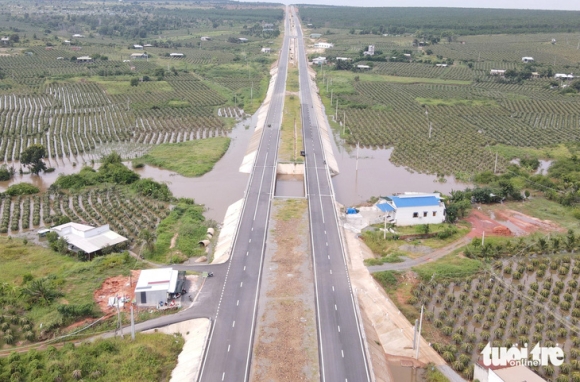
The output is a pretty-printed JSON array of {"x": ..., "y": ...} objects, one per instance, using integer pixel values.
[
  {"x": 247, "y": 253},
  {"x": 338, "y": 328},
  {"x": 223, "y": 375},
  {"x": 327, "y": 243},
  {"x": 331, "y": 271},
  {"x": 242, "y": 283},
  {"x": 250, "y": 241},
  {"x": 325, "y": 232},
  {"x": 342, "y": 351},
  {"x": 335, "y": 307},
  {"x": 252, "y": 228},
  {"x": 244, "y": 267},
  {"x": 328, "y": 257},
  {"x": 333, "y": 288},
  {"x": 234, "y": 324},
  {"x": 238, "y": 303},
  {"x": 229, "y": 349}
]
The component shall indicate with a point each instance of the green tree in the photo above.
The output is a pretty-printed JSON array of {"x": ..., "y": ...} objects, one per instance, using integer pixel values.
[
  {"x": 32, "y": 157},
  {"x": 147, "y": 240},
  {"x": 41, "y": 291},
  {"x": 134, "y": 81}
]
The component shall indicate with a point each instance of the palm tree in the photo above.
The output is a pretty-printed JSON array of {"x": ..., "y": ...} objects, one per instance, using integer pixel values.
[
  {"x": 542, "y": 244},
  {"x": 147, "y": 240}
]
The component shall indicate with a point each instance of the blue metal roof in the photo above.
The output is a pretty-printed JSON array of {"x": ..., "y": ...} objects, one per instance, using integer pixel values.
[
  {"x": 415, "y": 201},
  {"x": 385, "y": 207}
]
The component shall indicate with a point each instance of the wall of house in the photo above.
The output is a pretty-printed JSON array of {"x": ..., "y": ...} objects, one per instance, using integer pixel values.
[
  {"x": 480, "y": 373},
  {"x": 404, "y": 216},
  {"x": 152, "y": 298}
]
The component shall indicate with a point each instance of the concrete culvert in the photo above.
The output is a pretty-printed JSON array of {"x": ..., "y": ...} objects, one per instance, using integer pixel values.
[
  {"x": 203, "y": 243},
  {"x": 210, "y": 232}
]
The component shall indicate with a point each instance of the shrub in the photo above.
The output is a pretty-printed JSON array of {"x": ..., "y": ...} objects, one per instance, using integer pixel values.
[{"x": 22, "y": 189}]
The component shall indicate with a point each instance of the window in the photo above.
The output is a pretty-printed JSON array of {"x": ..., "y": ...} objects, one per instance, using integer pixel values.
[
  {"x": 434, "y": 213},
  {"x": 425, "y": 214},
  {"x": 415, "y": 214}
]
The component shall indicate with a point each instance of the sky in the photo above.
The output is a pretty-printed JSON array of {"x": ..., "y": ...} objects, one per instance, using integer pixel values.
[{"x": 569, "y": 5}]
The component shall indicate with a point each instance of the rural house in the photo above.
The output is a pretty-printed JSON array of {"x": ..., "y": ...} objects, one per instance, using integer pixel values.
[
  {"x": 242, "y": 39},
  {"x": 526, "y": 60},
  {"x": 504, "y": 373},
  {"x": 156, "y": 286},
  {"x": 370, "y": 51},
  {"x": 84, "y": 59},
  {"x": 81, "y": 237},
  {"x": 206, "y": 38},
  {"x": 139, "y": 55},
  {"x": 315, "y": 35},
  {"x": 564, "y": 76},
  {"x": 176, "y": 55},
  {"x": 78, "y": 36},
  {"x": 323, "y": 45},
  {"x": 5, "y": 40},
  {"x": 137, "y": 46},
  {"x": 319, "y": 60},
  {"x": 497, "y": 72},
  {"x": 412, "y": 208},
  {"x": 266, "y": 50}
]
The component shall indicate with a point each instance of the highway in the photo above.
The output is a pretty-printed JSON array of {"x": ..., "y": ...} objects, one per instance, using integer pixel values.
[
  {"x": 341, "y": 349},
  {"x": 230, "y": 345}
]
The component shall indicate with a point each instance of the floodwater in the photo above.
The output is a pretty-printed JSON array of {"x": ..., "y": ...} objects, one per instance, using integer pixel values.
[
  {"x": 289, "y": 186},
  {"x": 373, "y": 174}
]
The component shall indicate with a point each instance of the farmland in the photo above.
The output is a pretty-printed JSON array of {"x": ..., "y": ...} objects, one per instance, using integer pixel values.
[
  {"x": 76, "y": 108},
  {"x": 431, "y": 96}
]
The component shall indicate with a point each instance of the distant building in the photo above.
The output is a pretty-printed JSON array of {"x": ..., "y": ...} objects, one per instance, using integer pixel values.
[
  {"x": 156, "y": 287},
  {"x": 563, "y": 76},
  {"x": 147, "y": 46},
  {"x": 441, "y": 65},
  {"x": 323, "y": 45},
  {"x": 408, "y": 55},
  {"x": 412, "y": 208},
  {"x": 535, "y": 75},
  {"x": 81, "y": 237},
  {"x": 526, "y": 60},
  {"x": 78, "y": 35},
  {"x": 343, "y": 59},
  {"x": 243, "y": 39},
  {"x": 67, "y": 41},
  {"x": 497, "y": 72},
  {"x": 315, "y": 35},
  {"x": 206, "y": 38},
  {"x": 176, "y": 55},
  {"x": 139, "y": 55},
  {"x": 370, "y": 51},
  {"x": 5, "y": 40},
  {"x": 319, "y": 61},
  {"x": 363, "y": 67},
  {"x": 266, "y": 50},
  {"x": 84, "y": 59},
  {"x": 137, "y": 46},
  {"x": 268, "y": 25},
  {"x": 518, "y": 373}
]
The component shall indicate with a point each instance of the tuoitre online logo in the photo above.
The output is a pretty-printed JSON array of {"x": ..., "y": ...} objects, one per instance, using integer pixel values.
[{"x": 514, "y": 356}]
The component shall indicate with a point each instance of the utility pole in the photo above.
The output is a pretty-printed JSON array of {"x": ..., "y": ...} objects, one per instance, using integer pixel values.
[
  {"x": 419, "y": 336},
  {"x": 336, "y": 112},
  {"x": 343, "y": 122},
  {"x": 132, "y": 324},
  {"x": 357, "y": 156},
  {"x": 331, "y": 94},
  {"x": 495, "y": 165},
  {"x": 482, "y": 238}
]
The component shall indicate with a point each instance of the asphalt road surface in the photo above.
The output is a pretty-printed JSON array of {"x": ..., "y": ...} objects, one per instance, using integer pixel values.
[
  {"x": 231, "y": 340},
  {"x": 341, "y": 349}
]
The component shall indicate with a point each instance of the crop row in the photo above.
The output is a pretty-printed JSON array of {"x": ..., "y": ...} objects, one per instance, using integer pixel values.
[
  {"x": 531, "y": 301},
  {"x": 126, "y": 215}
]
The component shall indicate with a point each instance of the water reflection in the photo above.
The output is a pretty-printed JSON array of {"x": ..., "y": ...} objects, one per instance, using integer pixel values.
[{"x": 375, "y": 175}]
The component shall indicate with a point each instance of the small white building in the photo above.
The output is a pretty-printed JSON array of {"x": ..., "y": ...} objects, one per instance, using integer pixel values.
[
  {"x": 137, "y": 46},
  {"x": 564, "y": 76},
  {"x": 315, "y": 35},
  {"x": 84, "y": 59},
  {"x": 323, "y": 45},
  {"x": 342, "y": 59},
  {"x": 370, "y": 51},
  {"x": 412, "y": 208},
  {"x": 242, "y": 39},
  {"x": 266, "y": 50},
  {"x": 78, "y": 35},
  {"x": 139, "y": 55},
  {"x": 441, "y": 65},
  {"x": 81, "y": 237},
  {"x": 319, "y": 61},
  {"x": 147, "y": 46},
  {"x": 363, "y": 67},
  {"x": 176, "y": 55},
  {"x": 205, "y": 38},
  {"x": 156, "y": 286},
  {"x": 526, "y": 60},
  {"x": 517, "y": 373},
  {"x": 5, "y": 40},
  {"x": 497, "y": 72}
]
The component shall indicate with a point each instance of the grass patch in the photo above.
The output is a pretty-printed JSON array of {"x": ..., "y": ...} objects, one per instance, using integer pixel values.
[
  {"x": 292, "y": 84},
  {"x": 456, "y": 102},
  {"x": 120, "y": 85},
  {"x": 24, "y": 264},
  {"x": 291, "y": 134},
  {"x": 432, "y": 374},
  {"x": 392, "y": 258},
  {"x": 449, "y": 267},
  {"x": 151, "y": 357},
  {"x": 187, "y": 220},
  {"x": 177, "y": 103},
  {"x": 191, "y": 158},
  {"x": 291, "y": 209},
  {"x": 396, "y": 79},
  {"x": 545, "y": 209},
  {"x": 553, "y": 152}
]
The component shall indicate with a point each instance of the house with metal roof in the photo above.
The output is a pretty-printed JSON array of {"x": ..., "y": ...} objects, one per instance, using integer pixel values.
[
  {"x": 412, "y": 208},
  {"x": 81, "y": 237},
  {"x": 156, "y": 286}
]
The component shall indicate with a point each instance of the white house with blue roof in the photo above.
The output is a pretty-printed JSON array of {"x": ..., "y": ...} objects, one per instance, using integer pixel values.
[{"x": 411, "y": 208}]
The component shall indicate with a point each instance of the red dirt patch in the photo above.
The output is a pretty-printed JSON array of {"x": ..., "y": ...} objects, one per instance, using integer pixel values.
[
  {"x": 501, "y": 221},
  {"x": 121, "y": 286}
]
